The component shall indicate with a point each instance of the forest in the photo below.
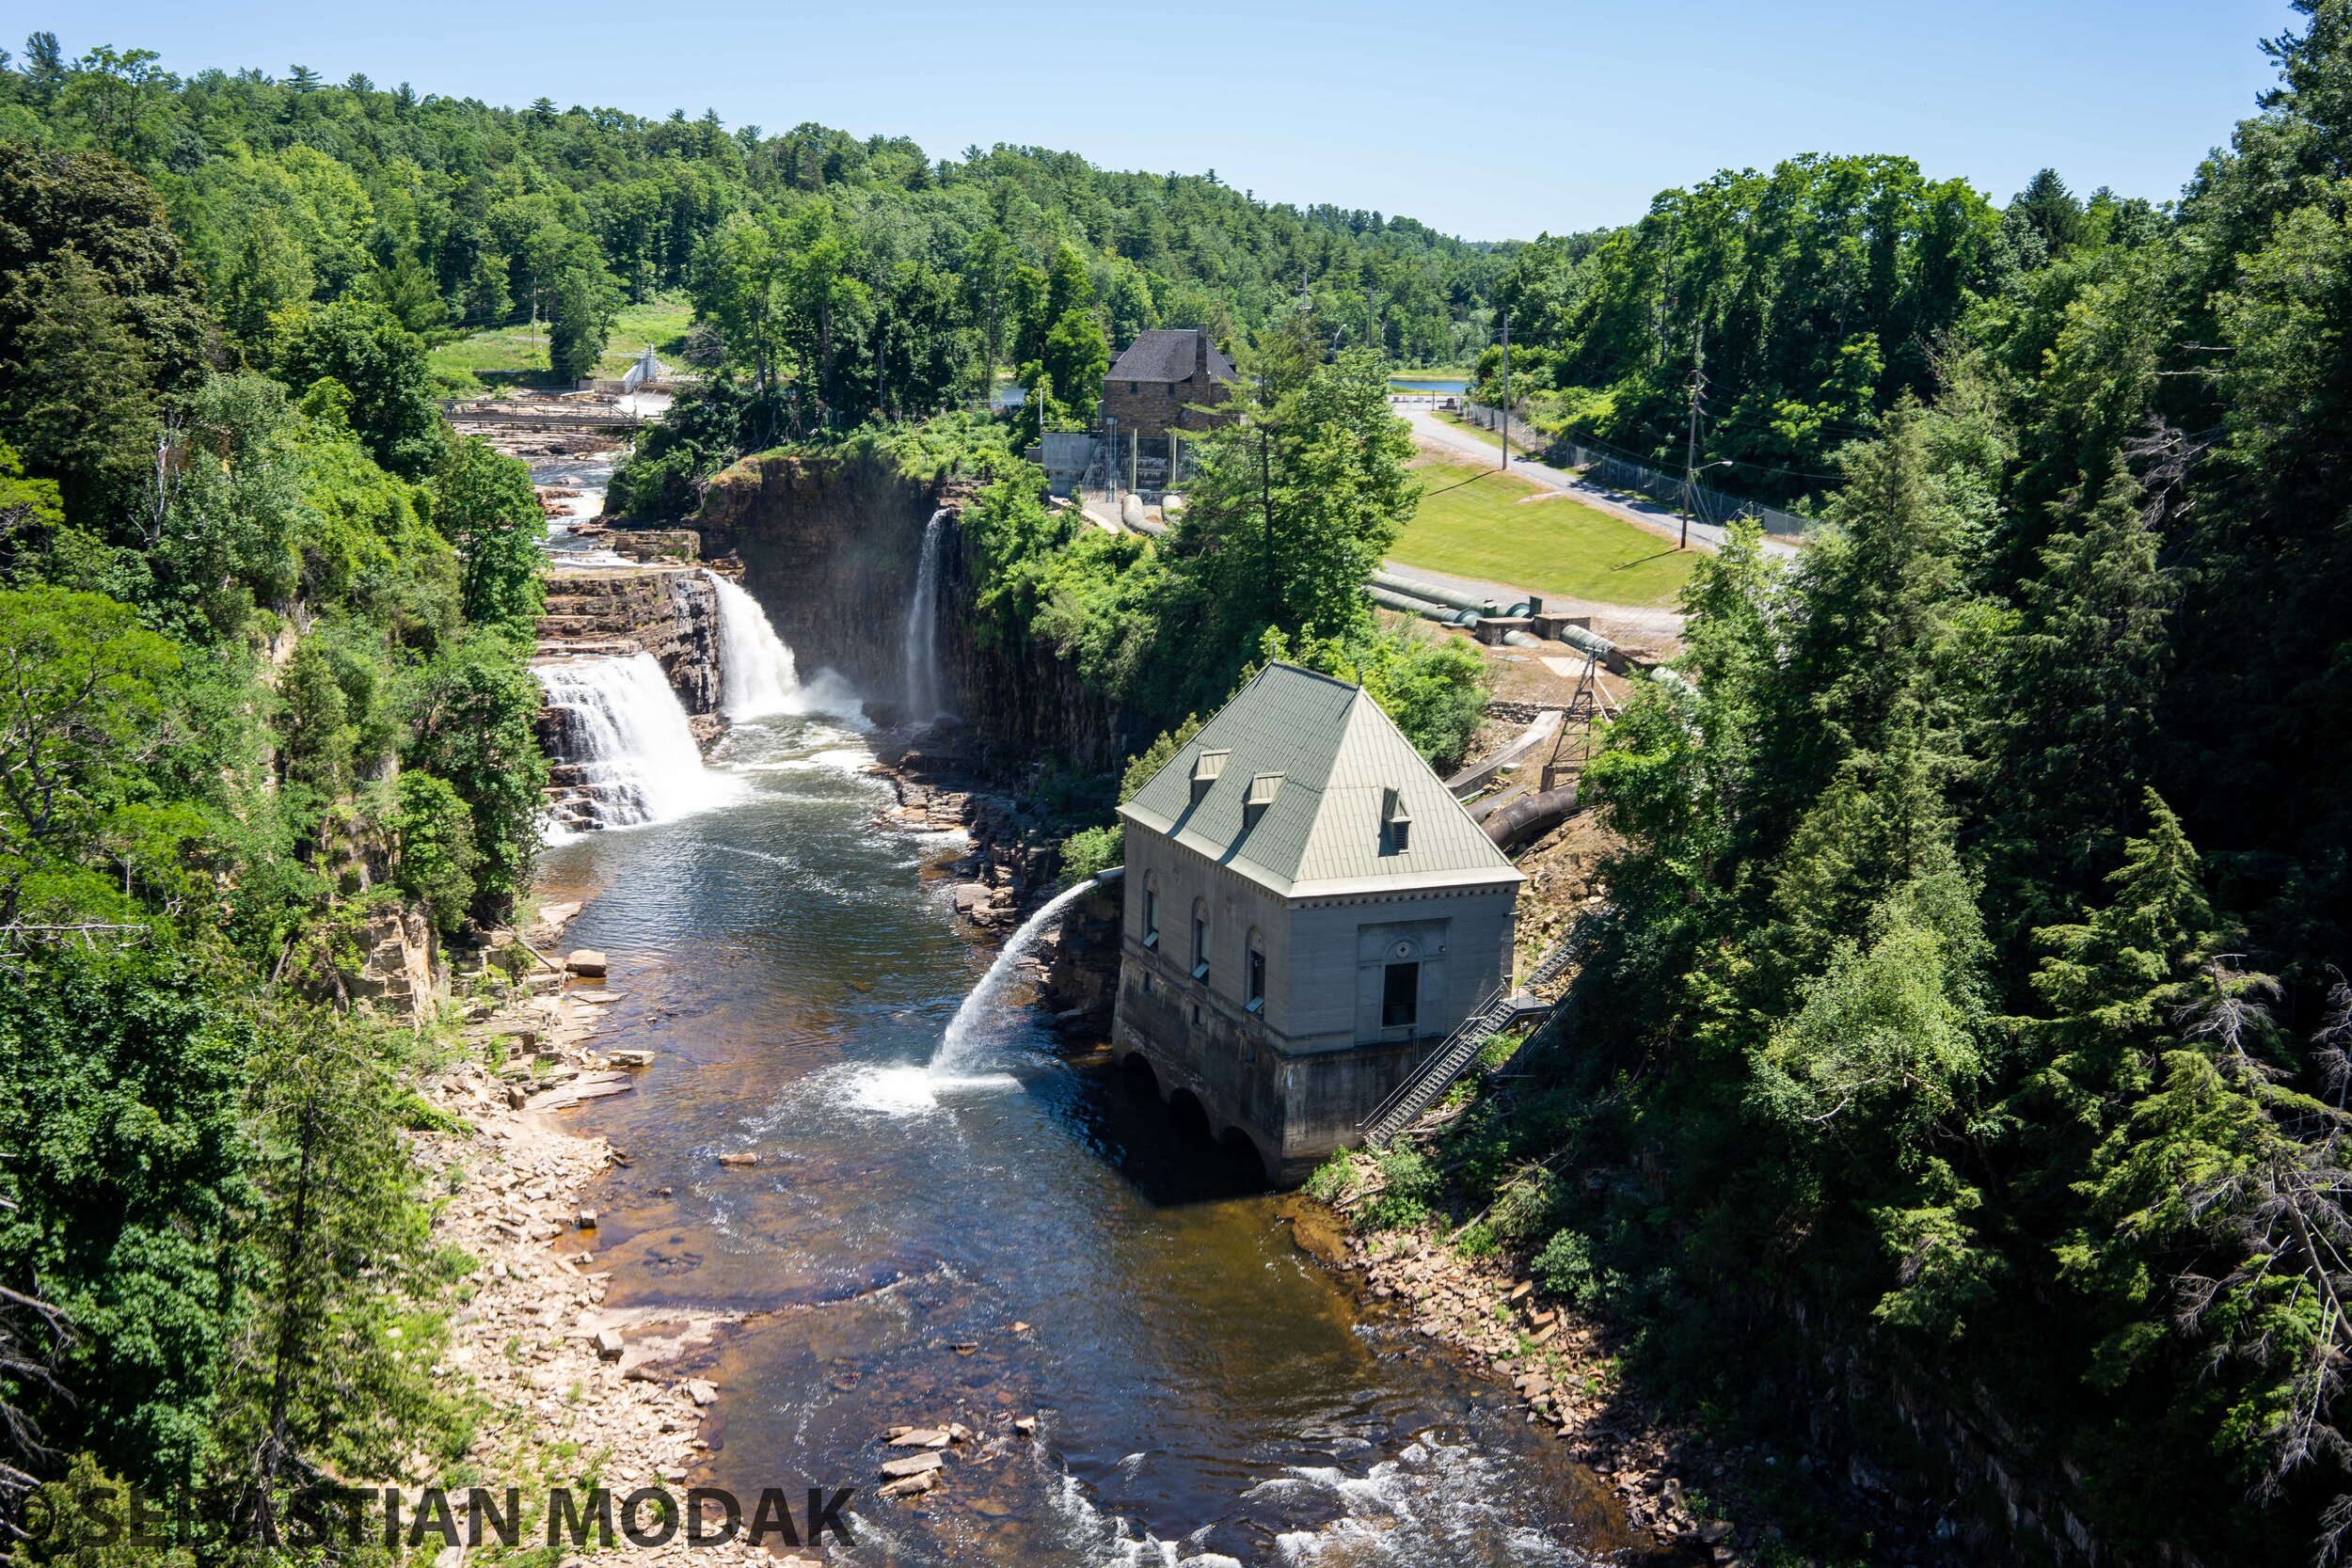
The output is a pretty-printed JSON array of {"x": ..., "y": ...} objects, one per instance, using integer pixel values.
[
  {"x": 1954, "y": 1088},
  {"x": 1955, "y": 1080}
]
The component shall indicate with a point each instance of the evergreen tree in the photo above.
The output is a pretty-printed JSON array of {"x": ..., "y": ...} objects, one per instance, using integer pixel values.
[
  {"x": 2080, "y": 678},
  {"x": 83, "y": 396}
]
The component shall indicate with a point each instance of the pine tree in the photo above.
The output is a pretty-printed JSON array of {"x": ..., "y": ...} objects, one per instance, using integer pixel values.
[
  {"x": 83, "y": 401},
  {"x": 2080, "y": 676}
]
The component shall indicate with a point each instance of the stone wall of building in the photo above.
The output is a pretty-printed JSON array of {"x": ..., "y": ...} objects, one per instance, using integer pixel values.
[
  {"x": 1153, "y": 408},
  {"x": 1299, "y": 1077}
]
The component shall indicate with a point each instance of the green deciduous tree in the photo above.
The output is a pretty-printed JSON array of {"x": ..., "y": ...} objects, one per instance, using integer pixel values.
[
  {"x": 128, "y": 1186},
  {"x": 81, "y": 708},
  {"x": 486, "y": 506},
  {"x": 475, "y": 709},
  {"x": 433, "y": 849},
  {"x": 381, "y": 364}
]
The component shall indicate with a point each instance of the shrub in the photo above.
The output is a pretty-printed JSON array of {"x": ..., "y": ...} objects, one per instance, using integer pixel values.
[
  {"x": 1564, "y": 1270},
  {"x": 1333, "y": 1180},
  {"x": 1527, "y": 1205},
  {"x": 1091, "y": 850},
  {"x": 1410, "y": 1187}
]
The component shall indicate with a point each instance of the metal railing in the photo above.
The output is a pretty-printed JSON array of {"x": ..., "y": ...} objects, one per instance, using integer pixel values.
[{"x": 1435, "y": 1072}]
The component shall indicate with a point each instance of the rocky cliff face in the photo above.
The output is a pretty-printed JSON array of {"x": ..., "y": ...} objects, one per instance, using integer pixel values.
[
  {"x": 670, "y": 612},
  {"x": 831, "y": 548}
]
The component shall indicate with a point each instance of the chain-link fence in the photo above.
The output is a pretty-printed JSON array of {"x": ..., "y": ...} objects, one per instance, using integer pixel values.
[{"x": 1618, "y": 472}]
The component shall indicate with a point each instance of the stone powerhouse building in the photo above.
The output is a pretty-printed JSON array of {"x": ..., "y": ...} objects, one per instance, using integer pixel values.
[
  {"x": 1150, "y": 391},
  {"x": 1307, "y": 913}
]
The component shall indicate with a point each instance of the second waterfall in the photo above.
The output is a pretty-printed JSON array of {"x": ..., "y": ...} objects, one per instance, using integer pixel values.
[{"x": 923, "y": 701}]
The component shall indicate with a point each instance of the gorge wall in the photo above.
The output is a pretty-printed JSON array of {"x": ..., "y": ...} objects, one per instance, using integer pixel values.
[
  {"x": 670, "y": 612},
  {"x": 831, "y": 548}
]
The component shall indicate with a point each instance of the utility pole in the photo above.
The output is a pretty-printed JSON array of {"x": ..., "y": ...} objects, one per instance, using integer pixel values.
[
  {"x": 1265, "y": 496},
  {"x": 1506, "y": 389},
  {"x": 1690, "y": 448}
]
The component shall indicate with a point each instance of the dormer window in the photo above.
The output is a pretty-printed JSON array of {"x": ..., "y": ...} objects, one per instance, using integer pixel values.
[
  {"x": 1396, "y": 823},
  {"x": 1207, "y": 768},
  {"x": 1263, "y": 790}
]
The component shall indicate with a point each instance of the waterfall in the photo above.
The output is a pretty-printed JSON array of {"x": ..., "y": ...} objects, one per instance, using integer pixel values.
[
  {"x": 756, "y": 676},
  {"x": 623, "y": 742},
  {"x": 968, "y": 1032},
  {"x": 922, "y": 692}
]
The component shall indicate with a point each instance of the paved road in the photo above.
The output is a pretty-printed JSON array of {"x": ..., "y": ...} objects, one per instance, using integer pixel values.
[{"x": 1637, "y": 510}]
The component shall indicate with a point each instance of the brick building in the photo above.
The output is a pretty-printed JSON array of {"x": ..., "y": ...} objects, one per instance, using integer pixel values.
[{"x": 1151, "y": 389}]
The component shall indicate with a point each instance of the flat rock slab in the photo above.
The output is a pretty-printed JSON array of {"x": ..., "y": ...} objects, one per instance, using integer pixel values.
[
  {"x": 588, "y": 1085},
  {"x": 585, "y": 961},
  {"x": 921, "y": 1437},
  {"x": 912, "y": 1465}
]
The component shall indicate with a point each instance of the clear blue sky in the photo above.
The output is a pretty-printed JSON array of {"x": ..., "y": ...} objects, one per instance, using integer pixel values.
[{"x": 1492, "y": 121}]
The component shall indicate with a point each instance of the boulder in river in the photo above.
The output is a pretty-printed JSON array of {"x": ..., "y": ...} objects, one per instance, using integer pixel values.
[{"x": 585, "y": 961}]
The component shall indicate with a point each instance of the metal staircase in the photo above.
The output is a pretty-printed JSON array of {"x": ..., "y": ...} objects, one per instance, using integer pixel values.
[
  {"x": 1502, "y": 1009},
  {"x": 1441, "y": 1068}
]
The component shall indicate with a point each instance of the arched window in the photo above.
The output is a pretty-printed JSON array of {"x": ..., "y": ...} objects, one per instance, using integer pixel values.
[
  {"x": 1257, "y": 972},
  {"x": 1200, "y": 940},
  {"x": 1151, "y": 909}
]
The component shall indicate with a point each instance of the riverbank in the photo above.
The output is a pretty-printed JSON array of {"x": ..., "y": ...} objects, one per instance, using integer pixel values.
[
  {"x": 568, "y": 1389},
  {"x": 1559, "y": 1365},
  {"x": 564, "y": 1388}
]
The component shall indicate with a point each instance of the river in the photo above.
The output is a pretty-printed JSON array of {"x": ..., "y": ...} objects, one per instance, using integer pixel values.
[{"x": 1034, "y": 1235}]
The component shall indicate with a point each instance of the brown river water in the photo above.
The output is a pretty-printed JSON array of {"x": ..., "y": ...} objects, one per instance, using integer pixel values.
[{"x": 1204, "y": 1390}]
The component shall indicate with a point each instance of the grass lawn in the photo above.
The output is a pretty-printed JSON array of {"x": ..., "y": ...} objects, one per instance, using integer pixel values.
[
  {"x": 508, "y": 353},
  {"x": 1484, "y": 529}
]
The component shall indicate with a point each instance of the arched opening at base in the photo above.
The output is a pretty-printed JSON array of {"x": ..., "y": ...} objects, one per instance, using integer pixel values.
[
  {"x": 1136, "y": 1067},
  {"x": 1243, "y": 1151},
  {"x": 1191, "y": 1118}
]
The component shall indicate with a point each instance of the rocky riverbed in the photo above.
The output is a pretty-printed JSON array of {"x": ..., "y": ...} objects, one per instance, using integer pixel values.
[
  {"x": 564, "y": 1387},
  {"x": 1557, "y": 1363}
]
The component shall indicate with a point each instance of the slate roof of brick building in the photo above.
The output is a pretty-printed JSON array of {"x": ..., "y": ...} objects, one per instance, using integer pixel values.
[
  {"x": 1167, "y": 355},
  {"x": 1339, "y": 757}
]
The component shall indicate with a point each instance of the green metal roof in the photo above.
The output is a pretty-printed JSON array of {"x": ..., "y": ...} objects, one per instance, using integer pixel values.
[{"x": 1338, "y": 755}]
